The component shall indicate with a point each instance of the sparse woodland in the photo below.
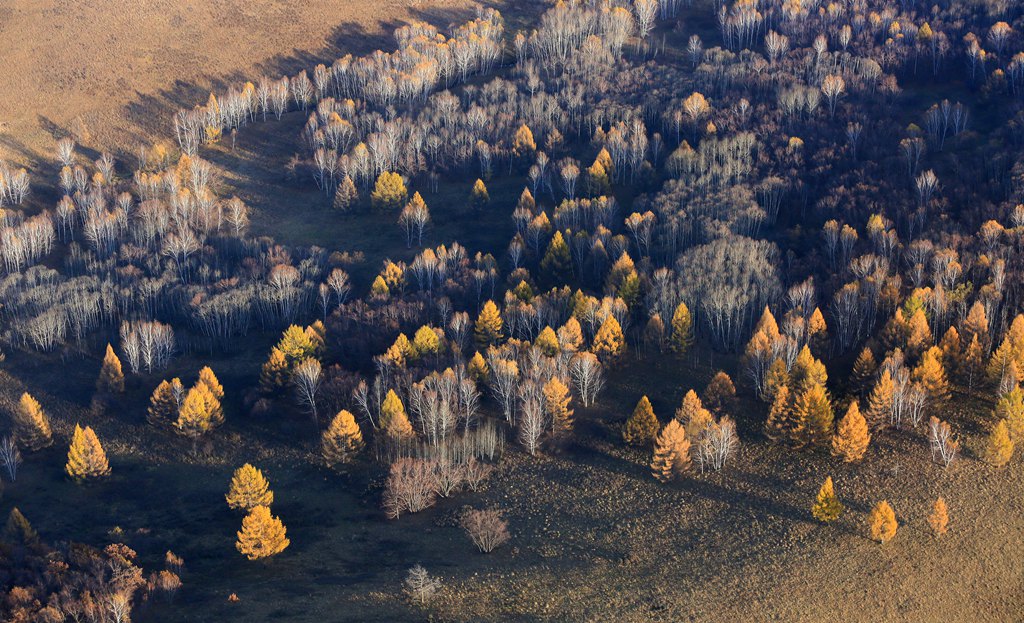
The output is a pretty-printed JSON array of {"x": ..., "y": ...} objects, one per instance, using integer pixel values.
[{"x": 714, "y": 243}]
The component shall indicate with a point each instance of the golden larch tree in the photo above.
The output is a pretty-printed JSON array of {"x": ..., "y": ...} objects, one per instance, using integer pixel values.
[
  {"x": 111, "y": 379},
  {"x": 488, "y": 325},
  {"x": 296, "y": 345},
  {"x": 248, "y": 489},
  {"x": 852, "y": 437},
  {"x": 393, "y": 419},
  {"x": 932, "y": 376},
  {"x": 274, "y": 374},
  {"x": 880, "y": 401},
  {"x": 342, "y": 439},
  {"x": 882, "y": 522},
  {"x": 671, "y": 452},
  {"x": 426, "y": 342},
  {"x": 570, "y": 335},
  {"x": 826, "y": 507},
  {"x": 478, "y": 369},
  {"x": 692, "y": 414},
  {"x": 208, "y": 378},
  {"x": 864, "y": 369},
  {"x": 813, "y": 416},
  {"x": 195, "y": 417},
  {"x": 780, "y": 420},
  {"x": 164, "y": 403},
  {"x": 547, "y": 342},
  {"x": 720, "y": 394},
  {"x": 262, "y": 535},
  {"x": 609, "y": 343},
  {"x": 479, "y": 197},
  {"x": 389, "y": 193},
  {"x": 999, "y": 446},
  {"x": 642, "y": 426},
  {"x": 1010, "y": 408},
  {"x": 31, "y": 424},
  {"x": 682, "y": 329},
  {"x": 557, "y": 406},
  {"x": 86, "y": 458},
  {"x": 938, "y": 519}
]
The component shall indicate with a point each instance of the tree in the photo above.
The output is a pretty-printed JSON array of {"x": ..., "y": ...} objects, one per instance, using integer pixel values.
[
  {"x": 393, "y": 419},
  {"x": 296, "y": 345},
  {"x": 547, "y": 342},
  {"x": 813, "y": 415},
  {"x": 479, "y": 197},
  {"x": 1010, "y": 408},
  {"x": 832, "y": 87},
  {"x": 420, "y": 585},
  {"x": 342, "y": 439},
  {"x": 609, "y": 343},
  {"x": 195, "y": 417},
  {"x": 307, "y": 377},
  {"x": 880, "y": 402},
  {"x": 389, "y": 193},
  {"x": 694, "y": 417},
  {"x": 720, "y": 394},
  {"x": 164, "y": 403},
  {"x": 682, "y": 329},
  {"x": 86, "y": 458},
  {"x": 274, "y": 375},
  {"x": 827, "y": 507},
  {"x": 345, "y": 195},
  {"x": 261, "y": 535},
  {"x": 248, "y": 489},
  {"x": 882, "y": 523},
  {"x": 557, "y": 407},
  {"x": 938, "y": 520},
  {"x": 864, "y": 369},
  {"x": 208, "y": 378},
  {"x": 642, "y": 426},
  {"x": 999, "y": 447},
  {"x": 486, "y": 528},
  {"x": 488, "y": 325},
  {"x": 671, "y": 452},
  {"x": 557, "y": 263},
  {"x": 570, "y": 335},
  {"x": 111, "y": 379},
  {"x": 851, "y": 439},
  {"x": 426, "y": 342},
  {"x": 414, "y": 218},
  {"x": 31, "y": 424},
  {"x": 523, "y": 144},
  {"x": 780, "y": 420},
  {"x": 932, "y": 376}
]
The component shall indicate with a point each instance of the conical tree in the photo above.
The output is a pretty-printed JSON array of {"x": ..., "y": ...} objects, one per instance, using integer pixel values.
[
  {"x": 864, "y": 369},
  {"x": 111, "y": 379},
  {"x": 999, "y": 447},
  {"x": 163, "y": 404},
  {"x": 488, "y": 325},
  {"x": 194, "y": 416},
  {"x": 296, "y": 345},
  {"x": 720, "y": 394},
  {"x": 478, "y": 368},
  {"x": 570, "y": 335},
  {"x": 18, "y": 530},
  {"x": 547, "y": 342},
  {"x": 880, "y": 402},
  {"x": 780, "y": 422},
  {"x": 827, "y": 507},
  {"x": 274, "y": 374},
  {"x": 479, "y": 197},
  {"x": 31, "y": 425},
  {"x": 882, "y": 522},
  {"x": 393, "y": 419},
  {"x": 932, "y": 376},
  {"x": 938, "y": 520},
  {"x": 682, "y": 329},
  {"x": 86, "y": 458},
  {"x": 1010, "y": 408},
  {"x": 919, "y": 333},
  {"x": 557, "y": 407},
  {"x": 807, "y": 371},
  {"x": 557, "y": 263},
  {"x": 777, "y": 376},
  {"x": 208, "y": 378},
  {"x": 814, "y": 416},
  {"x": 694, "y": 417},
  {"x": 641, "y": 427},
  {"x": 852, "y": 437},
  {"x": 342, "y": 440},
  {"x": 248, "y": 489},
  {"x": 671, "y": 452},
  {"x": 262, "y": 535},
  {"x": 609, "y": 343},
  {"x": 346, "y": 195}
]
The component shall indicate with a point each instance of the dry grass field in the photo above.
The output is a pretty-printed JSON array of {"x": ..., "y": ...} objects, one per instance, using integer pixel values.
[{"x": 110, "y": 73}]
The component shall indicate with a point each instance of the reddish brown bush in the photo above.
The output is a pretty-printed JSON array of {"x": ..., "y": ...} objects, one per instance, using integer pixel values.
[{"x": 411, "y": 487}]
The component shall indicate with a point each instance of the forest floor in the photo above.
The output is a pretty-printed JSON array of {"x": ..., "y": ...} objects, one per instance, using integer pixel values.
[{"x": 594, "y": 537}]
